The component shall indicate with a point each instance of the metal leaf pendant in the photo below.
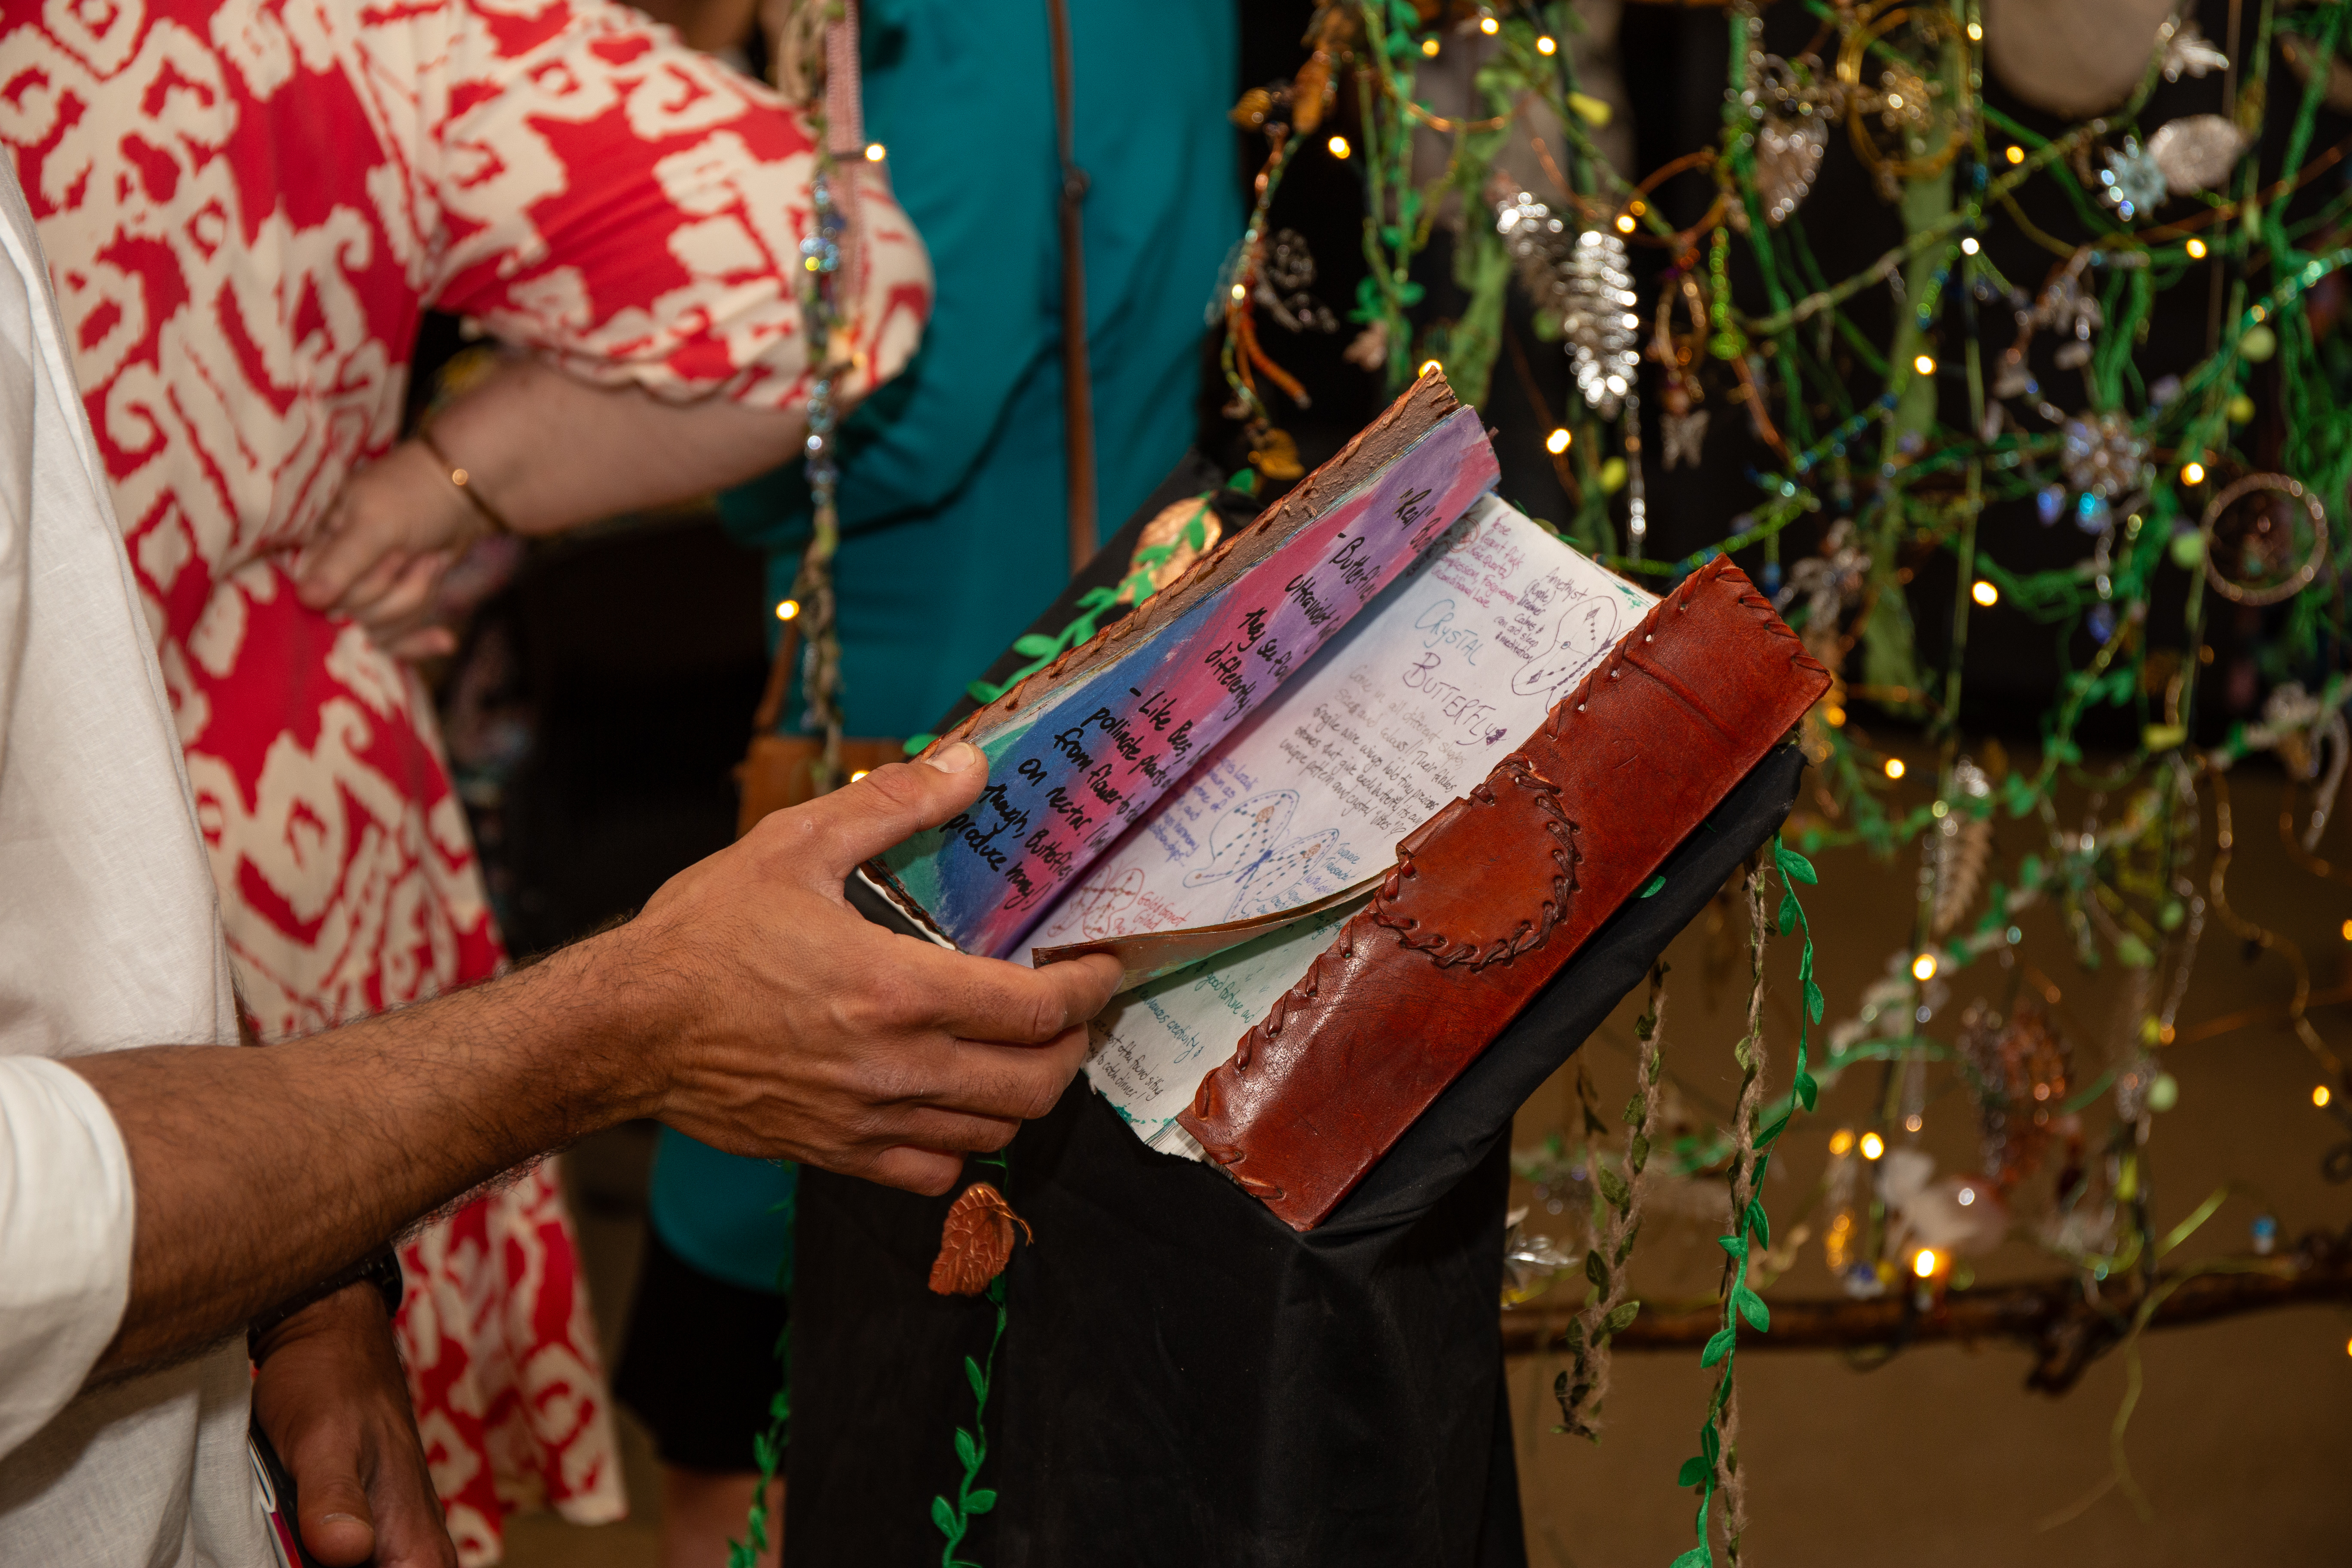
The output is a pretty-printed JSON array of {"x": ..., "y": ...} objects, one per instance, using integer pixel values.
[
  {"x": 1788, "y": 157},
  {"x": 976, "y": 1242}
]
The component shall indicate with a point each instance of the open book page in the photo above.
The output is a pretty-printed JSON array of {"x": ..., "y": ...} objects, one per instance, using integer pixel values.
[
  {"x": 1069, "y": 774},
  {"x": 1409, "y": 707}
]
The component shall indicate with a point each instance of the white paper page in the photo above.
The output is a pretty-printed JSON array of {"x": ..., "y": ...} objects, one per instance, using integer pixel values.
[{"x": 1411, "y": 707}]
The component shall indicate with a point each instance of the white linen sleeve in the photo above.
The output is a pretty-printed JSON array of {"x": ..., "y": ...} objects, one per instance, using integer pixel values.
[{"x": 64, "y": 1238}]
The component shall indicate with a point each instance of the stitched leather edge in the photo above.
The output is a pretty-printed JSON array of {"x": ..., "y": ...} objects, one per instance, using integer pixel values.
[{"x": 1516, "y": 769}]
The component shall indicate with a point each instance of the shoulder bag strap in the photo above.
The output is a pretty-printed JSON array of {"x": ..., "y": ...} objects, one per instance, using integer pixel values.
[{"x": 1078, "y": 390}]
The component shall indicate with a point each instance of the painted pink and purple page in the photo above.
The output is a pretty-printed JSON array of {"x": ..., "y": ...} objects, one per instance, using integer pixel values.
[{"x": 1082, "y": 750}]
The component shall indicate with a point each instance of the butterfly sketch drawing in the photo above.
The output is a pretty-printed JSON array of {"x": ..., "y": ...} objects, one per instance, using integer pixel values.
[
  {"x": 1249, "y": 848},
  {"x": 1587, "y": 628}
]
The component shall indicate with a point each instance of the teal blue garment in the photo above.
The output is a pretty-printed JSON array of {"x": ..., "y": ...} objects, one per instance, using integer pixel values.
[
  {"x": 952, "y": 481},
  {"x": 728, "y": 1217}
]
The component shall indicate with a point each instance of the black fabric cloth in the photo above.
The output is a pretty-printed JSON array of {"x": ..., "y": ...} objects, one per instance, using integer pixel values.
[
  {"x": 1182, "y": 1379},
  {"x": 698, "y": 1362}
]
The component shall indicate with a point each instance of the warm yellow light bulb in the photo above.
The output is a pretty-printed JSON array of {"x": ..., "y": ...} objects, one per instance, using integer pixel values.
[
  {"x": 1985, "y": 593},
  {"x": 1924, "y": 967},
  {"x": 1624, "y": 223},
  {"x": 1969, "y": 246},
  {"x": 875, "y": 152},
  {"x": 1925, "y": 364},
  {"x": 1833, "y": 715},
  {"x": 1894, "y": 767},
  {"x": 1241, "y": 291},
  {"x": 1428, "y": 47},
  {"x": 1430, "y": 367},
  {"x": 1557, "y": 442},
  {"x": 1338, "y": 145},
  {"x": 859, "y": 774},
  {"x": 2320, "y": 1096},
  {"x": 788, "y": 609},
  {"x": 1488, "y": 26},
  {"x": 2016, "y": 154},
  {"x": 2196, "y": 248},
  {"x": 1840, "y": 1142},
  {"x": 1873, "y": 1145},
  {"x": 1924, "y": 1266},
  {"x": 2347, "y": 931},
  {"x": 1976, "y": 32},
  {"x": 1547, "y": 45},
  {"x": 2192, "y": 473}
]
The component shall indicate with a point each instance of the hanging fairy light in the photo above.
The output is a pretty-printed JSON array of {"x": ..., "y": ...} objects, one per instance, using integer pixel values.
[{"x": 788, "y": 609}]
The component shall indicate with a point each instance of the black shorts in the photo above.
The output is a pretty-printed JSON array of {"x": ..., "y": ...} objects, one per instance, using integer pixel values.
[{"x": 698, "y": 1364}]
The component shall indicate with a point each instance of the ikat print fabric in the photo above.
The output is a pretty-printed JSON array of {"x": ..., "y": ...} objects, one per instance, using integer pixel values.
[{"x": 247, "y": 205}]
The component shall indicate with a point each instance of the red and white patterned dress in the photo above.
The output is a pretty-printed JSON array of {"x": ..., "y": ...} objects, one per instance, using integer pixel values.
[{"x": 246, "y": 205}]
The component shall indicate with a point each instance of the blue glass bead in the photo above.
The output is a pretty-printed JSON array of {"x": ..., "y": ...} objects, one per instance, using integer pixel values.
[{"x": 2049, "y": 502}]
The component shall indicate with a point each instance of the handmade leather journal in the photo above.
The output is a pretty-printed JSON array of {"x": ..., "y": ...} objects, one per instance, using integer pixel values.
[
  {"x": 1489, "y": 897},
  {"x": 1346, "y": 796}
]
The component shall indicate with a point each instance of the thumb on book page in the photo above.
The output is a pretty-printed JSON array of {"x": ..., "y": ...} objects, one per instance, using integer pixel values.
[{"x": 892, "y": 803}]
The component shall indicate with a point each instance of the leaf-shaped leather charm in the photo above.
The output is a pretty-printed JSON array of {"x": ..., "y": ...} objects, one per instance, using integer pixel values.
[{"x": 976, "y": 1242}]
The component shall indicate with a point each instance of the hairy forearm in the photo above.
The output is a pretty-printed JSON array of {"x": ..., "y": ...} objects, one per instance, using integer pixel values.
[
  {"x": 258, "y": 1173},
  {"x": 550, "y": 451}
]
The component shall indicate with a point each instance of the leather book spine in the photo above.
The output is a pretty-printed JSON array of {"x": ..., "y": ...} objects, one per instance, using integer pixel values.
[{"x": 1491, "y": 897}]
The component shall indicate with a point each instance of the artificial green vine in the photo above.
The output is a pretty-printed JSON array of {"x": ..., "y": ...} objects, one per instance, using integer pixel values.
[
  {"x": 971, "y": 1499},
  {"x": 767, "y": 1448},
  {"x": 768, "y": 1453},
  {"x": 1716, "y": 1466},
  {"x": 1092, "y": 605}
]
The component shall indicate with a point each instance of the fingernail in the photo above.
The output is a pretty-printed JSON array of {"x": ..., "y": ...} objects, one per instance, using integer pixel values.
[{"x": 953, "y": 758}]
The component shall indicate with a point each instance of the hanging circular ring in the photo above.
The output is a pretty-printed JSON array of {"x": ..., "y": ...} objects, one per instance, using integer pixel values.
[{"x": 2303, "y": 575}]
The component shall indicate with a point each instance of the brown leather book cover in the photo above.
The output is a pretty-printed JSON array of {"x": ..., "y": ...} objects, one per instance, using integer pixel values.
[{"x": 1494, "y": 894}]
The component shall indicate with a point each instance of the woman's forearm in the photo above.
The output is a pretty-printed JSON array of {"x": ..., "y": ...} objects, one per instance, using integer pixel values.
[{"x": 549, "y": 452}]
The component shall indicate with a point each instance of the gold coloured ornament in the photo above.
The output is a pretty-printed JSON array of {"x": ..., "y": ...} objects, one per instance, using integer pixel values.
[
  {"x": 2197, "y": 153},
  {"x": 1172, "y": 529},
  {"x": 2268, "y": 543},
  {"x": 1916, "y": 133},
  {"x": 1275, "y": 455}
]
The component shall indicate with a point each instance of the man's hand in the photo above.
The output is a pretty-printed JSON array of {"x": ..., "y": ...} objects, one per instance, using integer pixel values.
[
  {"x": 395, "y": 527},
  {"x": 812, "y": 1035},
  {"x": 747, "y": 1006},
  {"x": 330, "y": 1395}
]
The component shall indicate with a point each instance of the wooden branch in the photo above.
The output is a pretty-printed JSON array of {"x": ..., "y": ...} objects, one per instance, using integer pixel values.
[{"x": 2065, "y": 1329}]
